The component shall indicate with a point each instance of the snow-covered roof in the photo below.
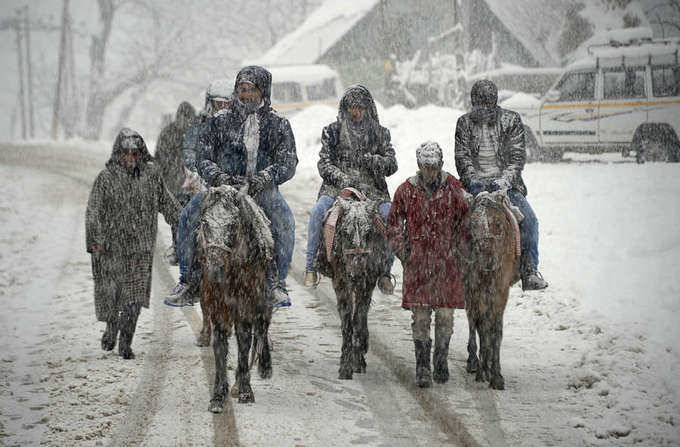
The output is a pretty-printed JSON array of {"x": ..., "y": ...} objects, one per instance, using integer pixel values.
[
  {"x": 660, "y": 52},
  {"x": 536, "y": 24},
  {"x": 301, "y": 73},
  {"x": 322, "y": 29}
]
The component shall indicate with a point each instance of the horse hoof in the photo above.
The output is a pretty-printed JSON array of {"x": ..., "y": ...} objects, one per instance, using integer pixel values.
[
  {"x": 497, "y": 383},
  {"x": 216, "y": 406},
  {"x": 234, "y": 391},
  {"x": 265, "y": 373},
  {"x": 472, "y": 366},
  {"x": 246, "y": 398},
  {"x": 202, "y": 341}
]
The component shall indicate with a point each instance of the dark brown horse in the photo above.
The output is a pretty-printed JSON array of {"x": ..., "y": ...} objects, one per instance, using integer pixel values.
[
  {"x": 235, "y": 249},
  {"x": 493, "y": 267},
  {"x": 354, "y": 261}
]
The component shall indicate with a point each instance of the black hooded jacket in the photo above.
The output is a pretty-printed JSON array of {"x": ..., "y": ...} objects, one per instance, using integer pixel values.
[
  {"x": 222, "y": 149},
  {"x": 362, "y": 160}
]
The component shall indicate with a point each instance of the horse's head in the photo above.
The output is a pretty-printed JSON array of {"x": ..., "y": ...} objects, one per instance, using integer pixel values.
[
  {"x": 360, "y": 241},
  {"x": 217, "y": 235},
  {"x": 490, "y": 229}
]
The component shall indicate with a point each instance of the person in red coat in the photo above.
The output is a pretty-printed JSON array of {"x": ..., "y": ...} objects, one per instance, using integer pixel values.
[{"x": 425, "y": 227}]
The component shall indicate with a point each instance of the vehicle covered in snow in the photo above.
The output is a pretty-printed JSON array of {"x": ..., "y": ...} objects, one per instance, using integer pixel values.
[
  {"x": 295, "y": 87},
  {"x": 625, "y": 96}
]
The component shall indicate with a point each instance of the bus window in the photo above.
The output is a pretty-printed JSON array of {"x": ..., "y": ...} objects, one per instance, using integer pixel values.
[
  {"x": 666, "y": 81},
  {"x": 286, "y": 92},
  {"x": 620, "y": 83},
  {"x": 324, "y": 90},
  {"x": 577, "y": 86}
]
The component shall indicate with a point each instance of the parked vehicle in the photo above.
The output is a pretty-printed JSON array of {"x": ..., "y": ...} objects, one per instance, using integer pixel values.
[
  {"x": 295, "y": 87},
  {"x": 625, "y": 96}
]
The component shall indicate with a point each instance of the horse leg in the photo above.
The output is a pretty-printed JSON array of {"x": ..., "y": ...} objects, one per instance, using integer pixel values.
[
  {"x": 360, "y": 336},
  {"x": 264, "y": 363},
  {"x": 220, "y": 349},
  {"x": 484, "y": 348},
  {"x": 204, "y": 337},
  {"x": 496, "y": 380},
  {"x": 472, "y": 361},
  {"x": 345, "y": 311},
  {"x": 244, "y": 338}
]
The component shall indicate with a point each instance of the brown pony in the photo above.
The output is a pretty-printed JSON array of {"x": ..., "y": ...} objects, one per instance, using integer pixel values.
[
  {"x": 354, "y": 262},
  {"x": 235, "y": 248},
  {"x": 493, "y": 266}
]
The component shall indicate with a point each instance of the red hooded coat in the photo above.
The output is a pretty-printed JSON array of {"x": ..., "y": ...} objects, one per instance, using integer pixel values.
[{"x": 425, "y": 233}]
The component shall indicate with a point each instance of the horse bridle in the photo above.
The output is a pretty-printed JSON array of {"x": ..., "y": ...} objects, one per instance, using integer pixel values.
[{"x": 364, "y": 251}]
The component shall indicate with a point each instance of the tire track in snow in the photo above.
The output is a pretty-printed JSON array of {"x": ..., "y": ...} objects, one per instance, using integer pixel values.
[
  {"x": 436, "y": 407},
  {"x": 82, "y": 167}
]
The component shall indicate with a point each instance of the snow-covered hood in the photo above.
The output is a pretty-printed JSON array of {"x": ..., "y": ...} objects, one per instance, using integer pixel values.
[
  {"x": 185, "y": 115},
  {"x": 128, "y": 134},
  {"x": 261, "y": 78}
]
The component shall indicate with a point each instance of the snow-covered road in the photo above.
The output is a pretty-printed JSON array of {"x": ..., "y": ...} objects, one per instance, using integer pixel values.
[{"x": 593, "y": 360}]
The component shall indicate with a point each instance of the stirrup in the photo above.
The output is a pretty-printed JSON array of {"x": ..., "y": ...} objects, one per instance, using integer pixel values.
[{"x": 314, "y": 283}]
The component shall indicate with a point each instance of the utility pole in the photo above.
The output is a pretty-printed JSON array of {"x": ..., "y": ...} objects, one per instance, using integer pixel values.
[
  {"x": 20, "y": 63},
  {"x": 27, "y": 31},
  {"x": 60, "y": 70}
]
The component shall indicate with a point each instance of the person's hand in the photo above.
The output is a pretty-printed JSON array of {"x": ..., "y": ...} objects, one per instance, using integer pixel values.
[
  {"x": 231, "y": 180},
  {"x": 258, "y": 182},
  {"x": 500, "y": 185},
  {"x": 475, "y": 188},
  {"x": 345, "y": 182},
  {"x": 97, "y": 249},
  {"x": 368, "y": 160}
]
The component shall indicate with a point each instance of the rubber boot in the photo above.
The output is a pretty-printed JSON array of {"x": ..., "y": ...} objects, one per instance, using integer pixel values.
[
  {"x": 111, "y": 333},
  {"x": 423, "y": 374},
  {"x": 128, "y": 324},
  {"x": 440, "y": 373}
]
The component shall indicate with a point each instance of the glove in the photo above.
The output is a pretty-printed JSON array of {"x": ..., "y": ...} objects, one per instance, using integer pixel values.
[
  {"x": 499, "y": 185},
  {"x": 475, "y": 188},
  {"x": 344, "y": 182},
  {"x": 231, "y": 180},
  {"x": 369, "y": 160},
  {"x": 258, "y": 182}
]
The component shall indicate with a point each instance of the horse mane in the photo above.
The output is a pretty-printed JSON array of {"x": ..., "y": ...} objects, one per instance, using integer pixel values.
[
  {"x": 258, "y": 227},
  {"x": 234, "y": 217},
  {"x": 357, "y": 221}
]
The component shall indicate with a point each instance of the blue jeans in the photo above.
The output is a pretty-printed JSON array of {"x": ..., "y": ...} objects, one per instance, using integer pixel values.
[
  {"x": 528, "y": 230},
  {"x": 282, "y": 227},
  {"x": 316, "y": 222}
]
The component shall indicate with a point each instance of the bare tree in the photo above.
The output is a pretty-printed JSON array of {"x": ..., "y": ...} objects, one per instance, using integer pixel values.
[{"x": 666, "y": 15}]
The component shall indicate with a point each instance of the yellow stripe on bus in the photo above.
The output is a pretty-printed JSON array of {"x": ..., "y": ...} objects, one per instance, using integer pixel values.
[
  {"x": 302, "y": 105},
  {"x": 617, "y": 104}
]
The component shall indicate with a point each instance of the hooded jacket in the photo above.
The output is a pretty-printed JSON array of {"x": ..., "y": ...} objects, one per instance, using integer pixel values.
[
  {"x": 360, "y": 159},
  {"x": 223, "y": 150},
  {"x": 168, "y": 154},
  {"x": 121, "y": 217}
]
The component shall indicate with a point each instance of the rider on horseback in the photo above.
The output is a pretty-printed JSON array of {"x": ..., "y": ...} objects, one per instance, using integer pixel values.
[
  {"x": 252, "y": 145},
  {"x": 490, "y": 155},
  {"x": 218, "y": 98},
  {"x": 356, "y": 152}
]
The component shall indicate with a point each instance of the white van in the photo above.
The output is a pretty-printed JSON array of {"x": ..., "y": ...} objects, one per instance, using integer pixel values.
[
  {"x": 295, "y": 87},
  {"x": 624, "y": 97}
]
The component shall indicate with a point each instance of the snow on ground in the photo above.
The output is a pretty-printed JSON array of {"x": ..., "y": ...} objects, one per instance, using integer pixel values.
[{"x": 593, "y": 360}]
